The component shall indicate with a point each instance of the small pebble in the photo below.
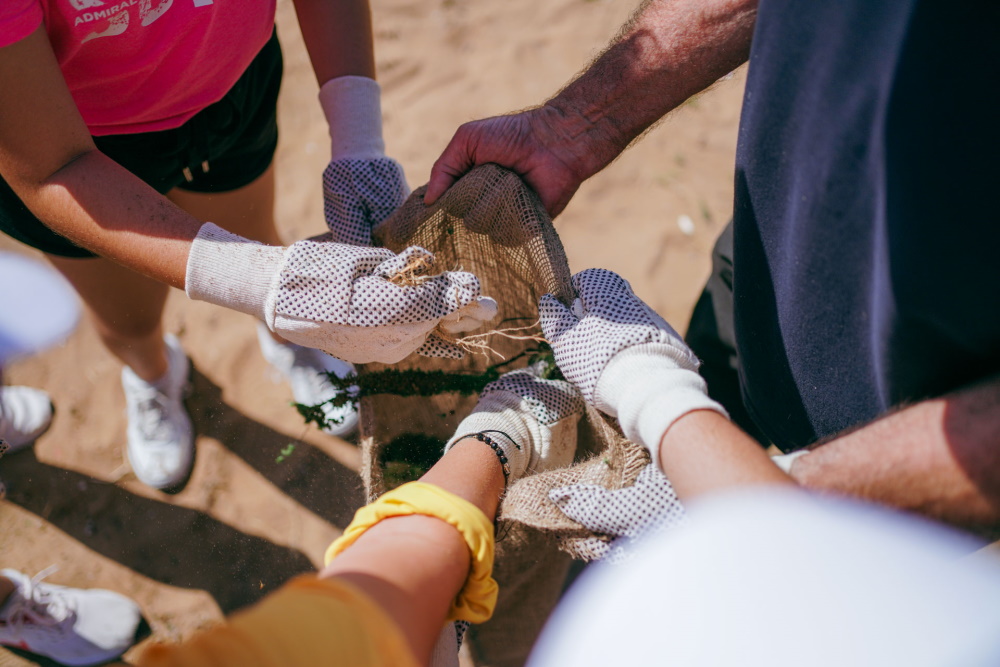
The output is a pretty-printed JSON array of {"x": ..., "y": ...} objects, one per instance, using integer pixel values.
[{"x": 686, "y": 225}]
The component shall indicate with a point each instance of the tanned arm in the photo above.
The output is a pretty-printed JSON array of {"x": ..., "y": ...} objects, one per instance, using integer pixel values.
[
  {"x": 338, "y": 37},
  {"x": 49, "y": 159},
  {"x": 939, "y": 457},
  {"x": 670, "y": 50}
]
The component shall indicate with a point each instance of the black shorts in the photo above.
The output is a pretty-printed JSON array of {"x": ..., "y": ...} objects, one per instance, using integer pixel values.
[
  {"x": 224, "y": 147},
  {"x": 711, "y": 334}
]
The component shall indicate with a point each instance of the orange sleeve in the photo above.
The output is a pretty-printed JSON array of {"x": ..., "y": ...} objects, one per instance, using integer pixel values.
[{"x": 309, "y": 621}]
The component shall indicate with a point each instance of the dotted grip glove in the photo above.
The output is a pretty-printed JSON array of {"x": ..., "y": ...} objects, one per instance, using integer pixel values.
[
  {"x": 533, "y": 420},
  {"x": 361, "y": 186},
  {"x": 624, "y": 515},
  {"x": 625, "y": 359},
  {"x": 335, "y": 297}
]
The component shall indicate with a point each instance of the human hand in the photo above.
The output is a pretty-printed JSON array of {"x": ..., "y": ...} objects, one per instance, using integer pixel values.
[
  {"x": 344, "y": 300},
  {"x": 534, "y": 144},
  {"x": 533, "y": 420},
  {"x": 625, "y": 359},
  {"x": 625, "y": 515},
  {"x": 361, "y": 186}
]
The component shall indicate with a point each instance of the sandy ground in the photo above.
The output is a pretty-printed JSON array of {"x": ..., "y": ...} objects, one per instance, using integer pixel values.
[{"x": 247, "y": 522}]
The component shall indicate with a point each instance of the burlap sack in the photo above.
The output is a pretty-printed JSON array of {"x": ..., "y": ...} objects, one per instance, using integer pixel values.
[{"x": 493, "y": 225}]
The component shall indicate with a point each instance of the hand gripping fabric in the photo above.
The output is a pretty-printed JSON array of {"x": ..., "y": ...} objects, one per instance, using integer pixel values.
[
  {"x": 476, "y": 600},
  {"x": 626, "y": 360},
  {"x": 359, "y": 194},
  {"x": 492, "y": 224},
  {"x": 337, "y": 298},
  {"x": 361, "y": 186},
  {"x": 622, "y": 517},
  {"x": 347, "y": 290},
  {"x": 539, "y": 415}
]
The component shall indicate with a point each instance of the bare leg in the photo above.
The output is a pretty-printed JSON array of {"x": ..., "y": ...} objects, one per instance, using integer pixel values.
[
  {"x": 127, "y": 309},
  {"x": 248, "y": 211}
]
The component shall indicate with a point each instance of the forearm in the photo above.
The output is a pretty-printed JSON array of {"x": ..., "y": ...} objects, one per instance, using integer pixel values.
[
  {"x": 414, "y": 566},
  {"x": 129, "y": 223},
  {"x": 704, "y": 452},
  {"x": 70, "y": 185},
  {"x": 338, "y": 36},
  {"x": 669, "y": 51},
  {"x": 940, "y": 457}
]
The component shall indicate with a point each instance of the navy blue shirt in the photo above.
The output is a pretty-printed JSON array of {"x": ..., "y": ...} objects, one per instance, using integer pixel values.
[{"x": 867, "y": 210}]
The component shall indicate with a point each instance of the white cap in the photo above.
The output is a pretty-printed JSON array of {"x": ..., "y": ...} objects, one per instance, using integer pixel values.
[
  {"x": 772, "y": 578},
  {"x": 38, "y": 307}
]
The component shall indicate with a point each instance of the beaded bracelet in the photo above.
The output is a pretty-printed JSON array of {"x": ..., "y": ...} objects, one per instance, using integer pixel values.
[{"x": 482, "y": 437}]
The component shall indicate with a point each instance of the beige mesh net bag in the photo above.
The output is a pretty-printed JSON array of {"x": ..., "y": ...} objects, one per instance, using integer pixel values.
[{"x": 492, "y": 224}]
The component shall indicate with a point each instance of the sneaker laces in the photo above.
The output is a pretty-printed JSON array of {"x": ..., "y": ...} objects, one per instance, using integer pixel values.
[
  {"x": 40, "y": 608},
  {"x": 153, "y": 408}
]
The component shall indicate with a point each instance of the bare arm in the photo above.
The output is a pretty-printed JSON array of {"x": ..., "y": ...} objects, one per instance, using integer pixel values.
[
  {"x": 49, "y": 159},
  {"x": 413, "y": 567},
  {"x": 940, "y": 457},
  {"x": 338, "y": 36},
  {"x": 666, "y": 53},
  {"x": 704, "y": 452}
]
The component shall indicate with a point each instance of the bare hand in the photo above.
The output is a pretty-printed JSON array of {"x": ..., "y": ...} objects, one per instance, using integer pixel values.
[{"x": 529, "y": 143}]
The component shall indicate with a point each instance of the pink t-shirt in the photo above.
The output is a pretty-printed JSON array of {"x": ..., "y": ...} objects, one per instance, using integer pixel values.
[{"x": 144, "y": 65}]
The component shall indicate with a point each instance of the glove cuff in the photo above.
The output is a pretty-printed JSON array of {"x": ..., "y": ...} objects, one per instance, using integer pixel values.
[
  {"x": 231, "y": 271},
  {"x": 643, "y": 387},
  {"x": 353, "y": 109}
]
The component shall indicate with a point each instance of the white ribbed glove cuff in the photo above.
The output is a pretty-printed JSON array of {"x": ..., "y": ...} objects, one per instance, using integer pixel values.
[
  {"x": 353, "y": 109},
  {"x": 645, "y": 389},
  {"x": 496, "y": 416},
  {"x": 231, "y": 271}
]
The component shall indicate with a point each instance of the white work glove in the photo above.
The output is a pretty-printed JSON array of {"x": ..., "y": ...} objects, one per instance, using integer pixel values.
[
  {"x": 361, "y": 186},
  {"x": 625, "y": 359},
  {"x": 533, "y": 420},
  {"x": 624, "y": 516},
  {"x": 335, "y": 297}
]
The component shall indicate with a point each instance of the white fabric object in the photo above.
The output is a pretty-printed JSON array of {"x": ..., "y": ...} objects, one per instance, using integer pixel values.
[
  {"x": 541, "y": 417},
  {"x": 445, "y": 652},
  {"x": 70, "y": 625},
  {"x": 778, "y": 578},
  {"x": 305, "y": 371},
  {"x": 38, "y": 307},
  {"x": 230, "y": 271},
  {"x": 331, "y": 296},
  {"x": 25, "y": 414},
  {"x": 626, "y": 360},
  {"x": 353, "y": 109},
  {"x": 159, "y": 433},
  {"x": 785, "y": 461},
  {"x": 361, "y": 186},
  {"x": 359, "y": 194},
  {"x": 646, "y": 390},
  {"x": 625, "y": 516}
]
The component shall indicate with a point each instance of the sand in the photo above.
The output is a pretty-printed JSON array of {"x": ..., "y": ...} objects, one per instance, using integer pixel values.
[{"x": 246, "y": 522}]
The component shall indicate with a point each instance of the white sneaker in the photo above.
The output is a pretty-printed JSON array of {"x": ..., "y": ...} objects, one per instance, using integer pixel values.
[
  {"x": 73, "y": 626},
  {"x": 160, "y": 434},
  {"x": 303, "y": 368},
  {"x": 25, "y": 414}
]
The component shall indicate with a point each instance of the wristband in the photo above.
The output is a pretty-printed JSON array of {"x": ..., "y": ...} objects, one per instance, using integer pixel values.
[{"x": 478, "y": 597}]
